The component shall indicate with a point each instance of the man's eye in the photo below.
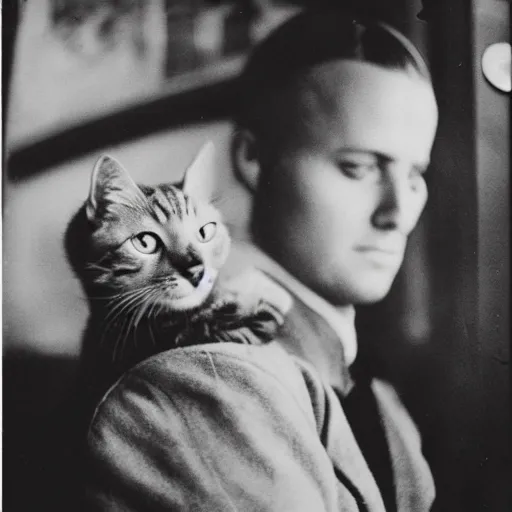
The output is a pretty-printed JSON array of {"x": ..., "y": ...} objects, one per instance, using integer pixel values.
[
  {"x": 417, "y": 171},
  {"x": 356, "y": 170},
  {"x": 417, "y": 178}
]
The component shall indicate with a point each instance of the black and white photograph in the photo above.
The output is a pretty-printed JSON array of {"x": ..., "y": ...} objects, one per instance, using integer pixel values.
[{"x": 256, "y": 255}]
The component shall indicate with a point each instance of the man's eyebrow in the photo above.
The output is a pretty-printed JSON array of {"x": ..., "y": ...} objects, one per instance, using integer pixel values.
[
  {"x": 381, "y": 157},
  {"x": 364, "y": 152}
]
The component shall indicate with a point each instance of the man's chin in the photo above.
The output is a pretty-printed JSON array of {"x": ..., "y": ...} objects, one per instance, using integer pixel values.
[
  {"x": 358, "y": 294},
  {"x": 374, "y": 292},
  {"x": 368, "y": 299}
]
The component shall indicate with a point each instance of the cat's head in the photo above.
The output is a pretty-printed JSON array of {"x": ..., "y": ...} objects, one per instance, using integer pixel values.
[{"x": 159, "y": 246}]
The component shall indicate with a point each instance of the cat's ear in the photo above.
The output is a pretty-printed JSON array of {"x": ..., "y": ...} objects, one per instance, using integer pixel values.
[
  {"x": 111, "y": 185},
  {"x": 200, "y": 177}
]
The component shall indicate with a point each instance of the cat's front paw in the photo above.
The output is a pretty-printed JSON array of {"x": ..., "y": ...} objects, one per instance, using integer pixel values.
[
  {"x": 265, "y": 321},
  {"x": 252, "y": 288}
]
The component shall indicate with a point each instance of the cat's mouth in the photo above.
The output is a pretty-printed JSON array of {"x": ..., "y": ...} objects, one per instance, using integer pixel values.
[{"x": 181, "y": 295}]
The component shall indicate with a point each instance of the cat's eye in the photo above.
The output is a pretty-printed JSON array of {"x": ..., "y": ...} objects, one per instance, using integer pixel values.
[
  {"x": 207, "y": 232},
  {"x": 146, "y": 243}
]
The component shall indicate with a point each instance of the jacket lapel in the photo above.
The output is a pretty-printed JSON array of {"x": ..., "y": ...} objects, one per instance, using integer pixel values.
[
  {"x": 309, "y": 337},
  {"x": 413, "y": 478}
]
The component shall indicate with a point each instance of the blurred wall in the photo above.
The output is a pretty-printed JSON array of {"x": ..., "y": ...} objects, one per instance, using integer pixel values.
[
  {"x": 492, "y": 25},
  {"x": 64, "y": 74},
  {"x": 465, "y": 416}
]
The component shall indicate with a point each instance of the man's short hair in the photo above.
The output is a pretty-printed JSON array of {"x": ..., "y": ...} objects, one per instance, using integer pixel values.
[{"x": 311, "y": 38}]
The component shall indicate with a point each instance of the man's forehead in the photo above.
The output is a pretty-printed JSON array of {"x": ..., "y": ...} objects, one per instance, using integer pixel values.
[
  {"x": 362, "y": 103},
  {"x": 349, "y": 84}
]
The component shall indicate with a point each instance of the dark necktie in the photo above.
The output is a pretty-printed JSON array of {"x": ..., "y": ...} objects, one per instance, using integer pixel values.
[{"x": 363, "y": 415}]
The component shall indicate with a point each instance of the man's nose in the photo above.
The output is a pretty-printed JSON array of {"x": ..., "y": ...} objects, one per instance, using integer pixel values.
[{"x": 395, "y": 207}]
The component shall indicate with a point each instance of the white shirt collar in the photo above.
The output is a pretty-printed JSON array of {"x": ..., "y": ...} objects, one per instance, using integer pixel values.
[{"x": 341, "y": 320}]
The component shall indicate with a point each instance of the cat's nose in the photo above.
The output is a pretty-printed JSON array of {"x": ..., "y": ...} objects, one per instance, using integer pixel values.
[{"x": 194, "y": 274}]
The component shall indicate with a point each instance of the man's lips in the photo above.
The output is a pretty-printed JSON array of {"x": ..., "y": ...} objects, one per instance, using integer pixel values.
[
  {"x": 391, "y": 250},
  {"x": 381, "y": 255}
]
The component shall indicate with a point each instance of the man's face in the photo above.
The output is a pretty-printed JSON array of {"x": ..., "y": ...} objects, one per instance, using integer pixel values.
[{"x": 339, "y": 202}]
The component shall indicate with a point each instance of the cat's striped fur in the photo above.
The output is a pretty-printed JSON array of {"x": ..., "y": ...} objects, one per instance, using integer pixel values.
[{"x": 148, "y": 258}]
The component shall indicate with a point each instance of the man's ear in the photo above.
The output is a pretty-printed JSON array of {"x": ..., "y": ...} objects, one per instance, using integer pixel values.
[{"x": 245, "y": 158}]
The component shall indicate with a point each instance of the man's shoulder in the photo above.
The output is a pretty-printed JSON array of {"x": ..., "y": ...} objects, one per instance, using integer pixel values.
[
  {"x": 225, "y": 373},
  {"x": 194, "y": 427}
]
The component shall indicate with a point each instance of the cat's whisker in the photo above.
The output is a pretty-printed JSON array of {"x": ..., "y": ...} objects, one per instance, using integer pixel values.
[
  {"x": 118, "y": 303},
  {"x": 121, "y": 343},
  {"x": 158, "y": 303},
  {"x": 121, "y": 314},
  {"x": 130, "y": 331},
  {"x": 126, "y": 311},
  {"x": 120, "y": 340},
  {"x": 129, "y": 315},
  {"x": 132, "y": 313},
  {"x": 153, "y": 306},
  {"x": 128, "y": 299},
  {"x": 150, "y": 329},
  {"x": 136, "y": 313},
  {"x": 143, "y": 308},
  {"x": 129, "y": 293},
  {"x": 112, "y": 324},
  {"x": 125, "y": 307},
  {"x": 111, "y": 298}
]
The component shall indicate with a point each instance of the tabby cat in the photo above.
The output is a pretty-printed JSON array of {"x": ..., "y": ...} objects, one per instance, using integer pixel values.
[{"x": 148, "y": 258}]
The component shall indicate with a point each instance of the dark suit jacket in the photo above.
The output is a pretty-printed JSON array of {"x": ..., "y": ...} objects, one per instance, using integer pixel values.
[{"x": 249, "y": 428}]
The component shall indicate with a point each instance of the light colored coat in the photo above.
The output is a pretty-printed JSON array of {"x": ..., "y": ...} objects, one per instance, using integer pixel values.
[{"x": 230, "y": 427}]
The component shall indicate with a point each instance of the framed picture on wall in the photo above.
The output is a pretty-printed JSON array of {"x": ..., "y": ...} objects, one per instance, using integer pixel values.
[
  {"x": 90, "y": 69},
  {"x": 209, "y": 40}
]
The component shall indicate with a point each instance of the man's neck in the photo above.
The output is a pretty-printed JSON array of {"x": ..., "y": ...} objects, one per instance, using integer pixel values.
[{"x": 340, "y": 319}]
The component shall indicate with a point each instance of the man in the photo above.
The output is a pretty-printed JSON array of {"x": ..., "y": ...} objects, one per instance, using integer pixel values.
[{"x": 334, "y": 130}]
